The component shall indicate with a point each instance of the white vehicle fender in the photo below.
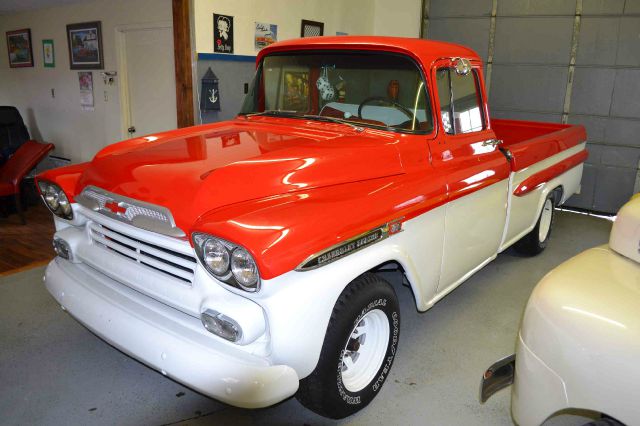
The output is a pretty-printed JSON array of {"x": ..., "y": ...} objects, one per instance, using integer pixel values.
[{"x": 298, "y": 305}]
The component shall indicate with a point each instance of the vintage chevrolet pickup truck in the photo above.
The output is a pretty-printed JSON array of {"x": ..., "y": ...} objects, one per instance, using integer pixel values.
[{"x": 240, "y": 258}]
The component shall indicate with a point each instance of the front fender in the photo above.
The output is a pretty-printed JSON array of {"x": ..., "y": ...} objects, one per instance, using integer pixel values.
[
  {"x": 282, "y": 231},
  {"x": 582, "y": 323},
  {"x": 298, "y": 305}
]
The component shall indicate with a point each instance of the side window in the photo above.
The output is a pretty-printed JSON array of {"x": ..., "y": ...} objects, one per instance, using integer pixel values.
[
  {"x": 460, "y": 101},
  {"x": 444, "y": 93}
]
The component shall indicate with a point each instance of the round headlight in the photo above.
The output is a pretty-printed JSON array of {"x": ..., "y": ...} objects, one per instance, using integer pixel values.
[
  {"x": 216, "y": 256},
  {"x": 51, "y": 197},
  {"x": 55, "y": 199},
  {"x": 64, "y": 204},
  {"x": 244, "y": 269}
]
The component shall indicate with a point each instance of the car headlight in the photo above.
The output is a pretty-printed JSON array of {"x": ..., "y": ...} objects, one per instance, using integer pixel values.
[
  {"x": 55, "y": 199},
  {"x": 227, "y": 262}
]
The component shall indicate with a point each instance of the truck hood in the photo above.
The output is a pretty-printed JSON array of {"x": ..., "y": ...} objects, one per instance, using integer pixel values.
[{"x": 195, "y": 170}]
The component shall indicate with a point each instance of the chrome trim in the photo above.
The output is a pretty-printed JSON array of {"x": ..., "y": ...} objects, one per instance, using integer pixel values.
[
  {"x": 384, "y": 234},
  {"x": 497, "y": 377},
  {"x": 138, "y": 213},
  {"x": 492, "y": 142}
]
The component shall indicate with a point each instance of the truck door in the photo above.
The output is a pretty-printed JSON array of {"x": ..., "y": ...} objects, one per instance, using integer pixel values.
[{"x": 466, "y": 152}]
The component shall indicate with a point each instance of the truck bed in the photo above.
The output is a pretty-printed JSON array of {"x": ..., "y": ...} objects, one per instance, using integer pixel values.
[{"x": 533, "y": 141}]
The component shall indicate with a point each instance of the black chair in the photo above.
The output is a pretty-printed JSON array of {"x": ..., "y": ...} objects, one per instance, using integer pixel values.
[{"x": 13, "y": 132}]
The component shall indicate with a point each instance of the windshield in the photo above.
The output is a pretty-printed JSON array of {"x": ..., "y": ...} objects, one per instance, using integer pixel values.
[{"x": 366, "y": 89}]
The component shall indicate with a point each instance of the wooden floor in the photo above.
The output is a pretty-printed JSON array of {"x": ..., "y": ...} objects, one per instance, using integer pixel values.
[{"x": 25, "y": 246}]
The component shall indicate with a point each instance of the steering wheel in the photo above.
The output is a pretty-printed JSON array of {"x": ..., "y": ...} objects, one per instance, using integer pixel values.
[{"x": 388, "y": 101}]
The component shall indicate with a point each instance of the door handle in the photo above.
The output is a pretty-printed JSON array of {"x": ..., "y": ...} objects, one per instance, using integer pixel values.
[
  {"x": 492, "y": 142},
  {"x": 131, "y": 129}
]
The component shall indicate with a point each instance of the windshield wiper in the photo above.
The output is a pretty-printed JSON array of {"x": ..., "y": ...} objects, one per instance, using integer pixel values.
[
  {"x": 292, "y": 114},
  {"x": 333, "y": 120},
  {"x": 274, "y": 113}
]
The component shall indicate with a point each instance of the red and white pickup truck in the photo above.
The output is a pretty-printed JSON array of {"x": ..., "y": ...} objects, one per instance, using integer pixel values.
[{"x": 240, "y": 258}]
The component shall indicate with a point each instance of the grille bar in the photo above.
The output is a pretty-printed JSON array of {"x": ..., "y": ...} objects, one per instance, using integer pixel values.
[{"x": 167, "y": 261}]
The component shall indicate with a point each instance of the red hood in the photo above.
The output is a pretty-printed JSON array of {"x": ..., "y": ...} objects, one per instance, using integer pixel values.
[{"x": 193, "y": 171}]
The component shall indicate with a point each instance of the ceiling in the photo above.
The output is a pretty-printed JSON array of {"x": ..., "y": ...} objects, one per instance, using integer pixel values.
[{"x": 13, "y": 6}]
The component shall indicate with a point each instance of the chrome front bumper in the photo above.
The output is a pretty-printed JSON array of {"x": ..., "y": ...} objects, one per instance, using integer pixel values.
[
  {"x": 497, "y": 377},
  {"x": 167, "y": 340}
]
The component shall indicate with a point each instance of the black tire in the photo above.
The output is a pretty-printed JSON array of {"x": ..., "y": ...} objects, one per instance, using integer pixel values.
[
  {"x": 323, "y": 391},
  {"x": 531, "y": 244}
]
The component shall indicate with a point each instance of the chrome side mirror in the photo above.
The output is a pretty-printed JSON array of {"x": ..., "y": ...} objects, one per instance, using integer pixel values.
[{"x": 462, "y": 66}]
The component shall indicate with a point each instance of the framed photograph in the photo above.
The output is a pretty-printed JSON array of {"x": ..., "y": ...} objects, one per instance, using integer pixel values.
[
  {"x": 311, "y": 28},
  {"x": 19, "y": 48},
  {"x": 222, "y": 33},
  {"x": 85, "y": 46},
  {"x": 48, "y": 54}
]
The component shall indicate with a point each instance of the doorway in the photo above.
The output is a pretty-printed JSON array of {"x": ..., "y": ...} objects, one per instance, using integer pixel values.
[{"x": 147, "y": 70}]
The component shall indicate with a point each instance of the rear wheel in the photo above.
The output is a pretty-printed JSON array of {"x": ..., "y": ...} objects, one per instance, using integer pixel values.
[
  {"x": 358, "y": 350},
  {"x": 536, "y": 241}
]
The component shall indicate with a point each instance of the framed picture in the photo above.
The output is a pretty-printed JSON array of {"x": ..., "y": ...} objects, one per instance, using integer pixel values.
[
  {"x": 266, "y": 34},
  {"x": 222, "y": 33},
  {"x": 48, "y": 54},
  {"x": 311, "y": 28},
  {"x": 19, "y": 48},
  {"x": 85, "y": 46}
]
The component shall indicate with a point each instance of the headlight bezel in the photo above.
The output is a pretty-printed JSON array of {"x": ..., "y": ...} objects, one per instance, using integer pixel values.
[
  {"x": 52, "y": 195},
  {"x": 200, "y": 239}
]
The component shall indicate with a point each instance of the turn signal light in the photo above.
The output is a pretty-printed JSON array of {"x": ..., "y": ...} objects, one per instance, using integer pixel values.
[{"x": 221, "y": 325}]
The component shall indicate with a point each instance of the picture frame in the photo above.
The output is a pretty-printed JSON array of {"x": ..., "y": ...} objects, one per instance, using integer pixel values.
[
  {"x": 311, "y": 28},
  {"x": 19, "y": 48},
  {"x": 84, "y": 41},
  {"x": 222, "y": 33},
  {"x": 48, "y": 54}
]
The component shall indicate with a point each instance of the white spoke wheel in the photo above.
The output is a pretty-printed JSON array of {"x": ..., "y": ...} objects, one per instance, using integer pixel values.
[
  {"x": 365, "y": 350},
  {"x": 536, "y": 241},
  {"x": 358, "y": 349}
]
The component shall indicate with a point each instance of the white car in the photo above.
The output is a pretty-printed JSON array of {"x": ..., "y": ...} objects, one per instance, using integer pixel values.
[{"x": 579, "y": 342}]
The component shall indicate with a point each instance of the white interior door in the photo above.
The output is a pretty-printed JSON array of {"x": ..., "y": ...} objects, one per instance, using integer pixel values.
[{"x": 150, "y": 80}]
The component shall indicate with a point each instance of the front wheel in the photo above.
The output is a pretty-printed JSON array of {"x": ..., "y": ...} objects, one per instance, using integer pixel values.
[
  {"x": 358, "y": 349},
  {"x": 536, "y": 241}
]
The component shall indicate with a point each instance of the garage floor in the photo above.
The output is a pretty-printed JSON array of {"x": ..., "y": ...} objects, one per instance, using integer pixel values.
[{"x": 54, "y": 371}]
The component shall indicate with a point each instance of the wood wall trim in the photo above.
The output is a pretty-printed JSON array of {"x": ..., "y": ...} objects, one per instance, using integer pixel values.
[{"x": 182, "y": 57}]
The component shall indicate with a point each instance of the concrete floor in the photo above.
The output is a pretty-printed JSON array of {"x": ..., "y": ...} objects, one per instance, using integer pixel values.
[{"x": 53, "y": 371}]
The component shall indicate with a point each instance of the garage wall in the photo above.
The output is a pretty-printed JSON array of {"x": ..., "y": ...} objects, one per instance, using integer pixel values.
[
  {"x": 575, "y": 61},
  {"x": 77, "y": 134},
  {"x": 352, "y": 17},
  {"x": 355, "y": 17}
]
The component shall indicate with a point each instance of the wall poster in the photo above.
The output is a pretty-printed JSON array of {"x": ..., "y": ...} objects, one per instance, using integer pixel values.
[
  {"x": 48, "y": 54},
  {"x": 222, "y": 33},
  {"x": 86, "y": 90},
  {"x": 266, "y": 34}
]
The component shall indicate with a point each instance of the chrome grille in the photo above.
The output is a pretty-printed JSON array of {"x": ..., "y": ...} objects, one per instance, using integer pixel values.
[
  {"x": 169, "y": 262},
  {"x": 131, "y": 209}
]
